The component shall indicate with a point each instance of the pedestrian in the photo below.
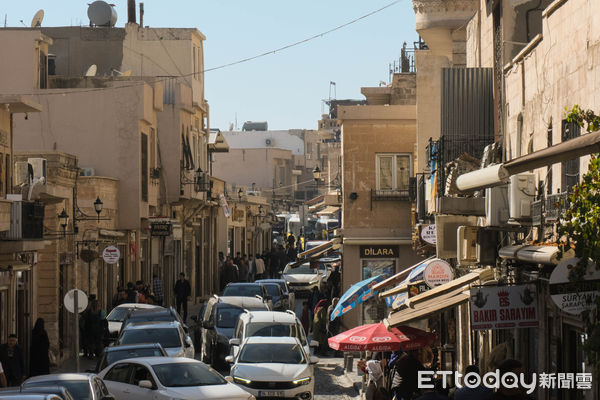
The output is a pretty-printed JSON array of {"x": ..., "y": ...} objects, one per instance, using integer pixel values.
[
  {"x": 243, "y": 268},
  {"x": 182, "y": 290},
  {"x": 39, "y": 360},
  {"x": 260, "y": 266},
  {"x": 320, "y": 325},
  {"x": 374, "y": 368},
  {"x": 251, "y": 268},
  {"x": 305, "y": 318},
  {"x": 13, "y": 361},
  {"x": 117, "y": 297},
  {"x": 229, "y": 273},
  {"x": 237, "y": 259},
  {"x": 142, "y": 292},
  {"x": 512, "y": 392},
  {"x": 333, "y": 327},
  {"x": 3, "y": 382},
  {"x": 335, "y": 278},
  {"x": 437, "y": 392},
  {"x": 93, "y": 329},
  {"x": 406, "y": 368},
  {"x": 157, "y": 290},
  {"x": 471, "y": 393},
  {"x": 131, "y": 293}
]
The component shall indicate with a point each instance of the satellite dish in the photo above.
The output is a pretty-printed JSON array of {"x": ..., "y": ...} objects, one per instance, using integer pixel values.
[
  {"x": 37, "y": 19},
  {"x": 91, "y": 71},
  {"x": 126, "y": 73}
]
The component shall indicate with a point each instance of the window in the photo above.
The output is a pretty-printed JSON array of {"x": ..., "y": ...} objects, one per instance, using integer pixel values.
[
  {"x": 570, "y": 168},
  {"x": 144, "y": 170},
  {"x": 153, "y": 163},
  {"x": 119, "y": 373},
  {"x": 393, "y": 171}
]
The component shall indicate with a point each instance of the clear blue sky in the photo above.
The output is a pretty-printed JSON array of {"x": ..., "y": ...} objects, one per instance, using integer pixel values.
[{"x": 286, "y": 88}]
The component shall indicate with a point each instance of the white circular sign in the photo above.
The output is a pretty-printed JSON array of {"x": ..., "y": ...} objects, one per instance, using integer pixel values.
[
  {"x": 428, "y": 233},
  {"x": 111, "y": 255},
  {"x": 574, "y": 297},
  {"x": 357, "y": 338},
  {"x": 382, "y": 339},
  {"x": 82, "y": 300},
  {"x": 437, "y": 272}
]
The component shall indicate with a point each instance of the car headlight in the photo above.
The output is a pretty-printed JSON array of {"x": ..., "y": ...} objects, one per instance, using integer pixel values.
[
  {"x": 302, "y": 381},
  {"x": 242, "y": 381},
  {"x": 314, "y": 281}
]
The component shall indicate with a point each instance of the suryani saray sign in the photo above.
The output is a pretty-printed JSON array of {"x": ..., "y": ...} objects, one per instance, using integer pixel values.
[{"x": 504, "y": 307}]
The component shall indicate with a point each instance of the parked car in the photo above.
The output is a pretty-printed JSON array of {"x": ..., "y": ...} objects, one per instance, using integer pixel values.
[
  {"x": 118, "y": 314},
  {"x": 116, "y": 353},
  {"x": 153, "y": 314},
  {"x": 218, "y": 322},
  {"x": 170, "y": 335},
  {"x": 159, "y": 378},
  {"x": 242, "y": 289},
  {"x": 287, "y": 292},
  {"x": 275, "y": 367},
  {"x": 196, "y": 327},
  {"x": 269, "y": 324},
  {"x": 81, "y": 386},
  {"x": 304, "y": 277},
  {"x": 277, "y": 298},
  {"x": 60, "y": 391},
  {"x": 21, "y": 396}
]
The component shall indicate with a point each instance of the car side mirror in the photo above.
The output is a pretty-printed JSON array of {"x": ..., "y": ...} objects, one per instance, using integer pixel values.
[
  {"x": 229, "y": 359},
  {"x": 314, "y": 360},
  {"x": 145, "y": 384},
  {"x": 207, "y": 325},
  {"x": 234, "y": 342},
  {"x": 314, "y": 343},
  {"x": 229, "y": 379}
]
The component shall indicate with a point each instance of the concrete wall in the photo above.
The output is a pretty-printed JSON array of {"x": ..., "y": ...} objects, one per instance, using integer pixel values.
[{"x": 19, "y": 64}]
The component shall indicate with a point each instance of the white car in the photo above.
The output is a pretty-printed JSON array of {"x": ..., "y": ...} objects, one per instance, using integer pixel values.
[
  {"x": 304, "y": 278},
  {"x": 170, "y": 335},
  {"x": 118, "y": 314},
  {"x": 269, "y": 324},
  {"x": 274, "y": 367},
  {"x": 161, "y": 378}
]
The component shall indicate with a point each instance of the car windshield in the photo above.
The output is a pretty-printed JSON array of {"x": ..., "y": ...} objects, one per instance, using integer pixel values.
[
  {"x": 161, "y": 317},
  {"x": 80, "y": 390},
  {"x": 272, "y": 289},
  {"x": 118, "y": 314},
  {"x": 227, "y": 316},
  {"x": 242, "y": 290},
  {"x": 167, "y": 337},
  {"x": 187, "y": 374},
  {"x": 281, "y": 353},
  {"x": 118, "y": 355},
  {"x": 270, "y": 329},
  {"x": 303, "y": 269}
]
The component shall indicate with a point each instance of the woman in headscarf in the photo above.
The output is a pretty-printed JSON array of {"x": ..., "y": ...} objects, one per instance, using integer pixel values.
[
  {"x": 320, "y": 325},
  {"x": 39, "y": 362}
]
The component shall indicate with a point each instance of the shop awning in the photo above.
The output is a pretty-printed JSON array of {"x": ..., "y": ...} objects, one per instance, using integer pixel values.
[
  {"x": 549, "y": 255},
  {"x": 436, "y": 299},
  {"x": 399, "y": 277},
  {"x": 329, "y": 210},
  {"x": 320, "y": 249}
]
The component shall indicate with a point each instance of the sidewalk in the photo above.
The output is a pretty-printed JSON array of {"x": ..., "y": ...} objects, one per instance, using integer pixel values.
[
  {"x": 69, "y": 365},
  {"x": 347, "y": 379}
]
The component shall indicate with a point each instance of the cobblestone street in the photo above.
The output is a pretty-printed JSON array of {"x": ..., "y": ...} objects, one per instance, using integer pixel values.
[{"x": 331, "y": 383}]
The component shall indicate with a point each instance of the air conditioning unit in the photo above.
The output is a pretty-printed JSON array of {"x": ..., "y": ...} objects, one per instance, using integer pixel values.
[
  {"x": 39, "y": 168},
  {"x": 26, "y": 220},
  {"x": 446, "y": 233},
  {"x": 268, "y": 142},
  {"x": 466, "y": 245},
  {"x": 87, "y": 172},
  {"x": 522, "y": 194},
  {"x": 21, "y": 174},
  {"x": 496, "y": 206}
]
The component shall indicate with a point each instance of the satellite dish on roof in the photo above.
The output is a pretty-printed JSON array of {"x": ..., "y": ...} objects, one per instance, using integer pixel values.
[
  {"x": 91, "y": 71},
  {"x": 37, "y": 19}
]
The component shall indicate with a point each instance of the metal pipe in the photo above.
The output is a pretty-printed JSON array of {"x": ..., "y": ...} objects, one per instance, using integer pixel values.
[
  {"x": 142, "y": 15},
  {"x": 131, "y": 11}
]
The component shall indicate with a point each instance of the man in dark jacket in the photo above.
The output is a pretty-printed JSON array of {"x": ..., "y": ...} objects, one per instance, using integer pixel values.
[
  {"x": 182, "y": 290},
  {"x": 229, "y": 273},
  {"x": 13, "y": 362}
]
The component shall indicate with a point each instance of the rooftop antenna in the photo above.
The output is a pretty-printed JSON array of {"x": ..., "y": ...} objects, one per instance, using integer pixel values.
[
  {"x": 37, "y": 19},
  {"x": 5, "y": 15},
  {"x": 332, "y": 84},
  {"x": 91, "y": 71},
  {"x": 21, "y": 21}
]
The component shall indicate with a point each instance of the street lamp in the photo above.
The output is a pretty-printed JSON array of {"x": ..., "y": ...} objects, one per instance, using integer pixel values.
[
  {"x": 63, "y": 217},
  {"x": 240, "y": 192},
  {"x": 317, "y": 175},
  {"x": 98, "y": 207},
  {"x": 260, "y": 210}
]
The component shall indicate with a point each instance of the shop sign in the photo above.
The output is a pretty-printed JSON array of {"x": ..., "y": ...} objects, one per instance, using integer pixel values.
[
  {"x": 224, "y": 205},
  {"x": 574, "y": 297},
  {"x": 379, "y": 251},
  {"x": 428, "y": 233},
  {"x": 111, "y": 255},
  {"x": 161, "y": 228},
  {"x": 504, "y": 307},
  {"x": 437, "y": 272},
  {"x": 415, "y": 289}
]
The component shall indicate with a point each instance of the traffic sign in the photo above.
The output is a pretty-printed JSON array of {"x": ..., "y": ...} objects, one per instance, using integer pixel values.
[{"x": 82, "y": 300}]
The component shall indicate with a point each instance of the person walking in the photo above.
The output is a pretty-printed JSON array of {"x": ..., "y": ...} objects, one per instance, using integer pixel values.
[
  {"x": 243, "y": 268},
  {"x": 158, "y": 290},
  {"x": 333, "y": 327},
  {"x": 260, "y": 266},
  {"x": 93, "y": 329},
  {"x": 229, "y": 273},
  {"x": 182, "y": 290},
  {"x": 39, "y": 360},
  {"x": 334, "y": 278},
  {"x": 305, "y": 318},
  {"x": 320, "y": 325},
  {"x": 405, "y": 376},
  {"x": 13, "y": 361},
  {"x": 251, "y": 268},
  {"x": 131, "y": 293}
]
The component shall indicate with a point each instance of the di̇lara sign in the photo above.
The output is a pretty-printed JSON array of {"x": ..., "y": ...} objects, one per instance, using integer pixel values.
[{"x": 379, "y": 251}]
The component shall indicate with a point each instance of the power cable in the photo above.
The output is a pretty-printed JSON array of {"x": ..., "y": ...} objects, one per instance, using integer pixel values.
[{"x": 243, "y": 60}]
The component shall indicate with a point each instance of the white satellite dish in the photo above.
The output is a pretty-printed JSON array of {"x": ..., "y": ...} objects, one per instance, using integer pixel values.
[
  {"x": 91, "y": 71},
  {"x": 37, "y": 19},
  {"x": 126, "y": 73}
]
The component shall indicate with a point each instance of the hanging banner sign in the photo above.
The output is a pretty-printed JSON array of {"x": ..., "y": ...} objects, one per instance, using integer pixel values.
[
  {"x": 111, "y": 255},
  {"x": 224, "y": 205},
  {"x": 428, "y": 233},
  {"x": 437, "y": 272},
  {"x": 161, "y": 229},
  {"x": 570, "y": 296},
  {"x": 504, "y": 307}
]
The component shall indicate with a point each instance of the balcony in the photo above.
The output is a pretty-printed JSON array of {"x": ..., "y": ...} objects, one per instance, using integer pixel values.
[{"x": 390, "y": 195}]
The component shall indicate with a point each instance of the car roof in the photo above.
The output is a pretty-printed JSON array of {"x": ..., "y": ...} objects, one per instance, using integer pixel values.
[
  {"x": 242, "y": 301},
  {"x": 272, "y": 340},
  {"x": 161, "y": 360},
  {"x": 132, "y": 346},
  {"x": 243, "y": 284},
  {"x": 33, "y": 396},
  {"x": 60, "y": 377},
  {"x": 137, "y": 305},
  {"x": 269, "y": 316},
  {"x": 140, "y": 312},
  {"x": 151, "y": 324},
  {"x": 270, "y": 280}
]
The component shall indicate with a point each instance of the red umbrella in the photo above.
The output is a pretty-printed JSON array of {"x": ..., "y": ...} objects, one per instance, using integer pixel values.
[{"x": 376, "y": 337}]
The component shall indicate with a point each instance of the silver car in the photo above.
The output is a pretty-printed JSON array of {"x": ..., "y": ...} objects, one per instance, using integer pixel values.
[
  {"x": 170, "y": 335},
  {"x": 81, "y": 386}
]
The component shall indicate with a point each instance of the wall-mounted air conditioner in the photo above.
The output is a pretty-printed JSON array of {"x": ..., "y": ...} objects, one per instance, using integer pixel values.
[
  {"x": 496, "y": 206},
  {"x": 466, "y": 245},
  {"x": 522, "y": 194},
  {"x": 39, "y": 168},
  {"x": 446, "y": 233}
]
